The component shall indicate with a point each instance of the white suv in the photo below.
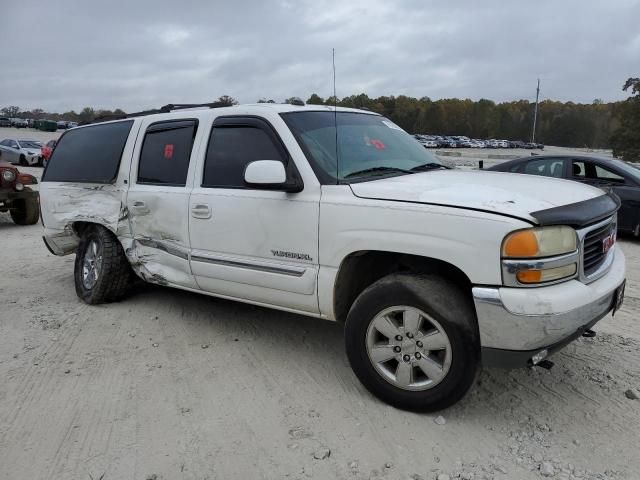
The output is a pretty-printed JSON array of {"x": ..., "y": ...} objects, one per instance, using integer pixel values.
[{"x": 339, "y": 215}]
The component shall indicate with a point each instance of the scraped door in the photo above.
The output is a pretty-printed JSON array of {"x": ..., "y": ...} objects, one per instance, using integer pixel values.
[{"x": 158, "y": 201}]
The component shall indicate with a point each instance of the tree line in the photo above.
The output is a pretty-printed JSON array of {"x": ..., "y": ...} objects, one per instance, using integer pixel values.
[
  {"x": 568, "y": 124},
  {"x": 559, "y": 123}
]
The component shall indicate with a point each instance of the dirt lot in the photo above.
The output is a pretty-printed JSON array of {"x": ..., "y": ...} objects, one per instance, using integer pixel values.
[{"x": 174, "y": 385}]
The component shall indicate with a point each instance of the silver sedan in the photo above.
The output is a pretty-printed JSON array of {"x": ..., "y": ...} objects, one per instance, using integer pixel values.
[{"x": 24, "y": 152}]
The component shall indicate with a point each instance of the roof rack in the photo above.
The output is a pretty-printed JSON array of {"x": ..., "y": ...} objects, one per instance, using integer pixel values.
[{"x": 170, "y": 107}]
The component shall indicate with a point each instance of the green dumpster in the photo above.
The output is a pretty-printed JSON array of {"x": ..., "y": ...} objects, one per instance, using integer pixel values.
[{"x": 46, "y": 125}]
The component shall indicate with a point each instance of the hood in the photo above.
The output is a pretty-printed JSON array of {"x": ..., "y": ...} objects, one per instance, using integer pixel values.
[
  {"x": 503, "y": 193},
  {"x": 32, "y": 151}
]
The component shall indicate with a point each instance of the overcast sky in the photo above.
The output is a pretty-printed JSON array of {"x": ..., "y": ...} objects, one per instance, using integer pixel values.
[{"x": 141, "y": 54}]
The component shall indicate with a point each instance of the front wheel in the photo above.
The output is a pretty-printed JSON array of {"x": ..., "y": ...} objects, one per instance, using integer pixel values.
[
  {"x": 412, "y": 341},
  {"x": 102, "y": 272}
]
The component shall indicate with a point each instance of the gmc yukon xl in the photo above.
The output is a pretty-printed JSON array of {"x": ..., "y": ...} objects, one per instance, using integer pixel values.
[{"x": 339, "y": 214}]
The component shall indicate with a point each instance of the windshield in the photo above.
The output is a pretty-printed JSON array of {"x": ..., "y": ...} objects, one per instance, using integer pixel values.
[
  {"x": 369, "y": 146},
  {"x": 29, "y": 144},
  {"x": 630, "y": 169}
]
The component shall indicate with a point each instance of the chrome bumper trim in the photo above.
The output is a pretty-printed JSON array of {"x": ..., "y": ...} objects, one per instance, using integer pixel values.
[{"x": 500, "y": 328}]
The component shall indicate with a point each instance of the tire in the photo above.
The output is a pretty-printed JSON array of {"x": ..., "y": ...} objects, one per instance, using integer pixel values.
[
  {"x": 25, "y": 211},
  {"x": 439, "y": 306},
  {"x": 102, "y": 272},
  {"x": 23, "y": 161}
]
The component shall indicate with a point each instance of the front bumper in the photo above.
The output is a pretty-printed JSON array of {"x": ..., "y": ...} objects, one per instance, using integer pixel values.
[{"x": 517, "y": 323}]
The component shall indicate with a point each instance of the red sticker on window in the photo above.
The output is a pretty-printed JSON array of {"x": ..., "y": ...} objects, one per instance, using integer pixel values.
[
  {"x": 378, "y": 144},
  {"x": 168, "y": 150}
]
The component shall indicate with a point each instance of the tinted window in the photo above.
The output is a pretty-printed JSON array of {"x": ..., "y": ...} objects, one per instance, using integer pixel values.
[
  {"x": 165, "y": 154},
  {"x": 231, "y": 148},
  {"x": 548, "y": 167},
  {"x": 89, "y": 154}
]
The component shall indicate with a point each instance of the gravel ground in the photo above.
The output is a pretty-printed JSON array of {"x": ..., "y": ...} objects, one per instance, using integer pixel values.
[{"x": 173, "y": 385}]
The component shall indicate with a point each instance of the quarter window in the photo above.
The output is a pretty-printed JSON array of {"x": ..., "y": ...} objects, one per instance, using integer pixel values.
[
  {"x": 89, "y": 154},
  {"x": 165, "y": 154},
  {"x": 231, "y": 148}
]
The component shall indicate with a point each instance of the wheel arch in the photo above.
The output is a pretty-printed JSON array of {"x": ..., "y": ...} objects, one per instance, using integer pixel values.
[
  {"x": 362, "y": 268},
  {"x": 80, "y": 226}
]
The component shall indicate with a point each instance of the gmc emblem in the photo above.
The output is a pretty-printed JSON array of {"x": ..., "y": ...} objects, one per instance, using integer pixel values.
[{"x": 608, "y": 242}]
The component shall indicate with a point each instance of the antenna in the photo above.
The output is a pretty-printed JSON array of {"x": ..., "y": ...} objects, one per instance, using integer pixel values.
[
  {"x": 335, "y": 112},
  {"x": 535, "y": 115}
]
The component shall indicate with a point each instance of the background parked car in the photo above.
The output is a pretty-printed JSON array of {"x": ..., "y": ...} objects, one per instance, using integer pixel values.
[
  {"x": 5, "y": 122},
  {"x": 20, "y": 123},
  {"x": 47, "y": 150},
  {"x": 606, "y": 173},
  {"x": 16, "y": 197},
  {"x": 24, "y": 152}
]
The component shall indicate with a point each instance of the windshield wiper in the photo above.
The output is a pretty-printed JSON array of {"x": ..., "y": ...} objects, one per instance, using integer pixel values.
[
  {"x": 425, "y": 167},
  {"x": 377, "y": 170}
]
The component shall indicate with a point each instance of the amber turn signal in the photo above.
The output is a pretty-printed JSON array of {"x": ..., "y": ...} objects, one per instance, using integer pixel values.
[
  {"x": 521, "y": 244},
  {"x": 529, "y": 276}
]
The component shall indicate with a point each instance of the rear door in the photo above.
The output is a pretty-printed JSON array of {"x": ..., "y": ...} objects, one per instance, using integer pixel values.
[
  {"x": 160, "y": 181},
  {"x": 249, "y": 243}
]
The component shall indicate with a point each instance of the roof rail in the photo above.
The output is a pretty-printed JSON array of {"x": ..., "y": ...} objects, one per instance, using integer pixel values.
[{"x": 170, "y": 107}]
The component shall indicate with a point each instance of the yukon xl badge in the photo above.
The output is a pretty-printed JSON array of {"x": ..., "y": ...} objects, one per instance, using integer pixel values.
[{"x": 296, "y": 256}]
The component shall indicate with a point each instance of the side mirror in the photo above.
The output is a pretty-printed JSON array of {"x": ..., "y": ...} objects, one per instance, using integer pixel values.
[{"x": 269, "y": 175}]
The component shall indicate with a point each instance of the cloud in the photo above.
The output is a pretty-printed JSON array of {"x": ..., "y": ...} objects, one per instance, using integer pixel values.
[{"x": 143, "y": 54}]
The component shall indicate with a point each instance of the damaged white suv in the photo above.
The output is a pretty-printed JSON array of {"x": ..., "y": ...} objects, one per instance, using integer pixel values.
[{"x": 339, "y": 215}]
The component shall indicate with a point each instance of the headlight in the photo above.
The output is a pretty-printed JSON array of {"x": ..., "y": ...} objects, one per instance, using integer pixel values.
[
  {"x": 539, "y": 255},
  {"x": 8, "y": 175},
  {"x": 540, "y": 242}
]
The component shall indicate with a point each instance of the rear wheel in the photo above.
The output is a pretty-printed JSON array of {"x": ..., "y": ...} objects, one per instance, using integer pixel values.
[
  {"x": 25, "y": 211},
  {"x": 102, "y": 272},
  {"x": 412, "y": 341}
]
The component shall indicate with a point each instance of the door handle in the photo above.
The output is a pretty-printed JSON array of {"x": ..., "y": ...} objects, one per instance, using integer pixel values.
[
  {"x": 140, "y": 207},
  {"x": 200, "y": 210}
]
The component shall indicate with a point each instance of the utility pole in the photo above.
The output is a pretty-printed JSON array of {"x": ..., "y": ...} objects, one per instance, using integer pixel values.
[{"x": 535, "y": 114}]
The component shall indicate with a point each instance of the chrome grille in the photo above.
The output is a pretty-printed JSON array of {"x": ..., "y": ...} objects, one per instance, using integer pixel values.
[{"x": 592, "y": 250}]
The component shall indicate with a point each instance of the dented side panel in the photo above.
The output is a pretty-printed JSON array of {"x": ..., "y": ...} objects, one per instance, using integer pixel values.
[{"x": 64, "y": 205}]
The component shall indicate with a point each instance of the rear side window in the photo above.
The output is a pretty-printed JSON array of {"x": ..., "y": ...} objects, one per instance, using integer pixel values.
[
  {"x": 231, "y": 148},
  {"x": 165, "y": 154},
  {"x": 89, "y": 155}
]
